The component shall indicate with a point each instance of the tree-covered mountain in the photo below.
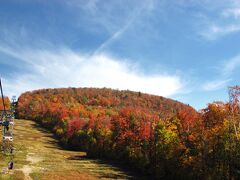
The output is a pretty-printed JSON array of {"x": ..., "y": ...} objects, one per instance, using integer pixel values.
[
  {"x": 77, "y": 99},
  {"x": 156, "y": 135}
]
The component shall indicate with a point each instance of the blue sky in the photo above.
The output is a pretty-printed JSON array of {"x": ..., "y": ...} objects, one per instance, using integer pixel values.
[{"x": 183, "y": 49}]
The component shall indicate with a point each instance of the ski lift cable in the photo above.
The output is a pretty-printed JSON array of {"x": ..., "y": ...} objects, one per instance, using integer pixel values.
[{"x": 4, "y": 108}]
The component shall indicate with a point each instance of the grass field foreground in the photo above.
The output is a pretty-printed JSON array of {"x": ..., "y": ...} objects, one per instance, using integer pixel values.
[{"x": 37, "y": 155}]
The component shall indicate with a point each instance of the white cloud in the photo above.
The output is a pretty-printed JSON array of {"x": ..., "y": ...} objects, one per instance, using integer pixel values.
[
  {"x": 225, "y": 70},
  {"x": 110, "y": 16},
  {"x": 214, "y": 32},
  {"x": 65, "y": 68},
  {"x": 215, "y": 85},
  {"x": 134, "y": 14},
  {"x": 233, "y": 12},
  {"x": 118, "y": 33},
  {"x": 220, "y": 18},
  {"x": 230, "y": 65}
]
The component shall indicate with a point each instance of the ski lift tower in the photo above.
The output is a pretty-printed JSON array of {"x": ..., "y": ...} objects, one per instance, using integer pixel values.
[{"x": 7, "y": 121}]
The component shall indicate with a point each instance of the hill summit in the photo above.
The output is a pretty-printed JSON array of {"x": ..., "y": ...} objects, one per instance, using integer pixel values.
[{"x": 98, "y": 98}]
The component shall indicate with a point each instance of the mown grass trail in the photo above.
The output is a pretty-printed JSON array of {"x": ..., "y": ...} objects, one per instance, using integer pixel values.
[{"x": 38, "y": 156}]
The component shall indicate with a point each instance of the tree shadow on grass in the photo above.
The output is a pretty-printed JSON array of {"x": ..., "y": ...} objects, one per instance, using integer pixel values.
[
  {"x": 124, "y": 172},
  {"x": 51, "y": 138}
]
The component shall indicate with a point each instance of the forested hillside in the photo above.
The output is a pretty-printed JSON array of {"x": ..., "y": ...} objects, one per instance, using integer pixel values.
[
  {"x": 159, "y": 136},
  {"x": 85, "y": 98}
]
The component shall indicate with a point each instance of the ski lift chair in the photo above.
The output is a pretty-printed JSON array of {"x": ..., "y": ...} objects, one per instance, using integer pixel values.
[
  {"x": 11, "y": 122},
  {"x": 7, "y": 138},
  {"x": 7, "y": 133}
]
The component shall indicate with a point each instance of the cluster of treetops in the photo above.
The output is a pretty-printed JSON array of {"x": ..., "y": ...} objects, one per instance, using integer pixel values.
[
  {"x": 157, "y": 136},
  {"x": 7, "y": 103}
]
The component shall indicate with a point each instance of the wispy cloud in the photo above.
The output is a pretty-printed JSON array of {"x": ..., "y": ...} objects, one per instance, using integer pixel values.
[
  {"x": 230, "y": 65},
  {"x": 141, "y": 9},
  {"x": 219, "y": 19},
  {"x": 214, "y": 32},
  {"x": 64, "y": 68},
  {"x": 215, "y": 85},
  {"x": 232, "y": 12},
  {"x": 225, "y": 70},
  {"x": 110, "y": 16},
  {"x": 118, "y": 33}
]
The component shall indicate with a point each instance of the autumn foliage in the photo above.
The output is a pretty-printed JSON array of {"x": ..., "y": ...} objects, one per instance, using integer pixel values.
[
  {"x": 159, "y": 136},
  {"x": 7, "y": 103}
]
